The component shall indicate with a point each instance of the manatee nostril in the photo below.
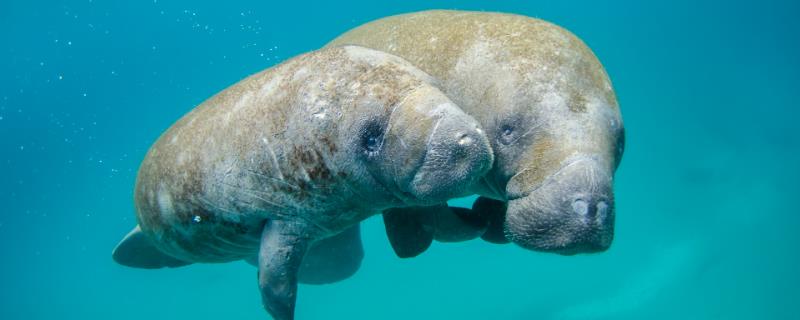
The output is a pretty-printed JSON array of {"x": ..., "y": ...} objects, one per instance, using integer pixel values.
[
  {"x": 465, "y": 140},
  {"x": 580, "y": 207},
  {"x": 602, "y": 209}
]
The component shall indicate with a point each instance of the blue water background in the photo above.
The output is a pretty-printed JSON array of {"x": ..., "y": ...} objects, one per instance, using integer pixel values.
[{"x": 707, "y": 194}]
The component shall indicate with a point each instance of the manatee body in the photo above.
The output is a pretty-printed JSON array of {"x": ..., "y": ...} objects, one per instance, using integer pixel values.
[
  {"x": 549, "y": 110},
  {"x": 288, "y": 161}
]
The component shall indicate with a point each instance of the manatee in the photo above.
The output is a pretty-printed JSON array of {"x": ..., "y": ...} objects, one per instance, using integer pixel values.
[
  {"x": 289, "y": 160},
  {"x": 551, "y": 114}
]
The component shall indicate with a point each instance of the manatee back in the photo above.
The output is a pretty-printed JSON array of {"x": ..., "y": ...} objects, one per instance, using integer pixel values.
[
  {"x": 190, "y": 186},
  {"x": 272, "y": 146},
  {"x": 206, "y": 187},
  {"x": 510, "y": 54}
]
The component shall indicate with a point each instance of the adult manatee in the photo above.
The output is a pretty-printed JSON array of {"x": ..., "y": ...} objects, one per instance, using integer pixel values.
[
  {"x": 293, "y": 158},
  {"x": 551, "y": 115}
]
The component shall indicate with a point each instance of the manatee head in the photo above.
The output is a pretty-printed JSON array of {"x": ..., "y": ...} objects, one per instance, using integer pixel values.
[
  {"x": 564, "y": 201},
  {"x": 558, "y": 145},
  {"x": 433, "y": 150},
  {"x": 411, "y": 138}
]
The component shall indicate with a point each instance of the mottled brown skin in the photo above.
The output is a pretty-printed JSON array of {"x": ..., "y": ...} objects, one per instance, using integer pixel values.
[
  {"x": 281, "y": 145},
  {"x": 544, "y": 100},
  {"x": 291, "y": 159}
]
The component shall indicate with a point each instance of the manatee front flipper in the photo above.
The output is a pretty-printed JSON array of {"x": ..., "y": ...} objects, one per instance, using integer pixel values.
[
  {"x": 283, "y": 246},
  {"x": 333, "y": 259},
  {"x": 410, "y": 230},
  {"x": 494, "y": 212},
  {"x": 454, "y": 224},
  {"x": 136, "y": 250}
]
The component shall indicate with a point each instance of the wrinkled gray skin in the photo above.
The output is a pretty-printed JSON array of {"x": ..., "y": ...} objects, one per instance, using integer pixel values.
[
  {"x": 291, "y": 159},
  {"x": 550, "y": 113}
]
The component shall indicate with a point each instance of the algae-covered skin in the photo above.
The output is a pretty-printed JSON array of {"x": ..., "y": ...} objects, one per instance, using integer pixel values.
[
  {"x": 548, "y": 108},
  {"x": 292, "y": 158}
]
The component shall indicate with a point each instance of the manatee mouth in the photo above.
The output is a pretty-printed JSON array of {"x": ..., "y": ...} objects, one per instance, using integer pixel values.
[{"x": 571, "y": 212}]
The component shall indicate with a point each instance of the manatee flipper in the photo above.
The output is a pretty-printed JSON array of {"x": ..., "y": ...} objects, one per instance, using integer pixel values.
[
  {"x": 329, "y": 260},
  {"x": 410, "y": 230},
  {"x": 333, "y": 259},
  {"x": 454, "y": 224},
  {"x": 136, "y": 250},
  {"x": 494, "y": 212},
  {"x": 279, "y": 258}
]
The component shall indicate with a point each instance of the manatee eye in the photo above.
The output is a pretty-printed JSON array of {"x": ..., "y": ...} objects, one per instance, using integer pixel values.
[
  {"x": 506, "y": 134},
  {"x": 372, "y": 144},
  {"x": 372, "y": 138}
]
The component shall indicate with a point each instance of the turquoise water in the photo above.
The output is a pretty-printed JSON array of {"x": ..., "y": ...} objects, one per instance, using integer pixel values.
[{"x": 707, "y": 213}]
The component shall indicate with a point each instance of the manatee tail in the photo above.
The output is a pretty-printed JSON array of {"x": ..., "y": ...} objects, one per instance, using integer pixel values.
[{"x": 136, "y": 250}]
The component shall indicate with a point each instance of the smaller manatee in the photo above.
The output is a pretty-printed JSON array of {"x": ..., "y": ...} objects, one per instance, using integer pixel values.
[{"x": 281, "y": 167}]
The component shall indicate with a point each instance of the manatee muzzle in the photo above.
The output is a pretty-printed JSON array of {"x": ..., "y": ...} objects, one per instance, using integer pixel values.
[
  {"x": 458, "y": 154},
  {"x": 571, "y": 212}
]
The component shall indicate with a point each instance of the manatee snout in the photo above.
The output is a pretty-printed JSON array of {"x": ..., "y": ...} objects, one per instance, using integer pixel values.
[
  {"x": 571, "y": 212},
  {"x": 457, "y": 155}
]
